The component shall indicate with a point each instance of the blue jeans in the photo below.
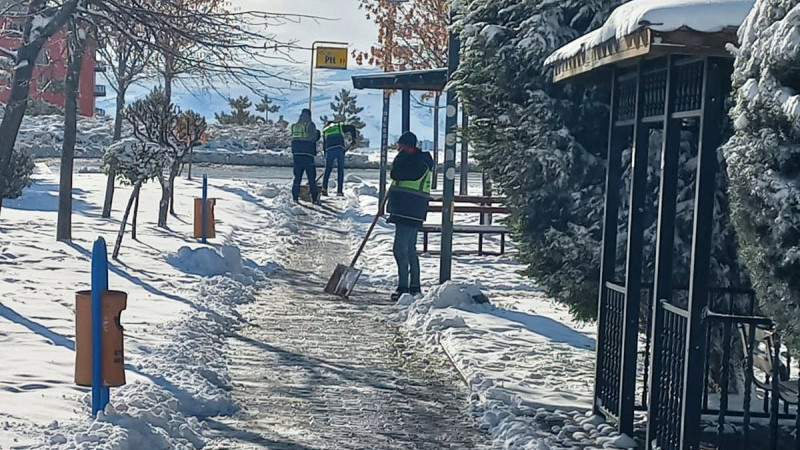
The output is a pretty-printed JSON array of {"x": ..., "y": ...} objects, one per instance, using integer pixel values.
[
  {"x": 334, "y": 155},
  {"x": 304, "y": 164},
  {"x": 405, "y": 253}
]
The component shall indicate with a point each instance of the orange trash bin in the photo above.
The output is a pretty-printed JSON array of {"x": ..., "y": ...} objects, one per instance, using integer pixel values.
[
  {"x": 198, "y": 218},
  {"x": 113, "y": 360}
]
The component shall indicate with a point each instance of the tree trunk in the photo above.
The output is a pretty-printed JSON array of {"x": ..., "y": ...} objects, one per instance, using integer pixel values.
[
  {"x": 15, "y": 107},
  {"x": 166, "y": 195},
  {"x": 436, "y": 102},
  {"x": 135, "y": 217},
  {"x": 112, "y": 172},
  {"x": 75, "y": 46},
  {"x": 169, "y": 77},
  {"x": 173, "y": 173},
  {"x": 191, "y": 154},
  {"x": 118, "y": 243}
]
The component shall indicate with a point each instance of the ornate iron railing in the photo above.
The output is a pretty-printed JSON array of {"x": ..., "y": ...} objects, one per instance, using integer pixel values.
[
  {"x": 610, "y": 359},
  {"x": 671, "y": 377}
]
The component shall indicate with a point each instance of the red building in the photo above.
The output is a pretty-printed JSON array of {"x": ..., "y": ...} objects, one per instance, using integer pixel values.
[{"x": 51, "y": 69}]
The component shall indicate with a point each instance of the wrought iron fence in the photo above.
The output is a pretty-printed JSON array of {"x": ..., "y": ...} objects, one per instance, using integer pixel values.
[
  {"x": 671, "y": 378},
  {"x": 611, "y": 313}
]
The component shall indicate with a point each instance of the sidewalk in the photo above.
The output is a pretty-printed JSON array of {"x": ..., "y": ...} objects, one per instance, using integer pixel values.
[{"x": 314, "y": 371}]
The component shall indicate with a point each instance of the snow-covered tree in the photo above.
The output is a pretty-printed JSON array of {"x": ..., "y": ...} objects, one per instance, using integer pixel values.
[
  {"x": 266, "y": 106},
  {"x": 155, "y": 120},
  {"x": 346, "y": 110},
  {"x": 763, "y": 158},
  {"x": 135, "y": 162},
  {"x": 543, "y": 144},
  {"x": 21, "y": 169},
  {"x": 240, "y": 113}
]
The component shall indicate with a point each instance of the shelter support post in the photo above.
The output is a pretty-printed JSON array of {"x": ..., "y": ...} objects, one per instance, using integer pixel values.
[
  {"x": 446, "y": 258},
  {"x": 463, "y": 186},
  {"x": 665, "y": 243},
  {"x": 406, "y": 110},
  {"x": 384, "y": 149},
  {"x": 609, "y": 245},
  {"x": 700, "y": 270},
  {"x": 633, "y": 265}
]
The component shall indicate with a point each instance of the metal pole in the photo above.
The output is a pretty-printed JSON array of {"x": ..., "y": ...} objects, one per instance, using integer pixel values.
[
  {"x": 665, "y": 242},
  {"x": 311, "y": 77},
  {"x": 100, "y": 394},
  {"x": 703, "y": 230},
  {"x": 463, "y": 187},
  {"x": 609, "y": 245},
  {"x": 406, "y": 110},
  {"x": 633, "y": 265},
  {"x": 446, "y": 262},
  {"x": 203, "y": 209},
  {"x": 436, "y": 140},
  {"x": 384, "y": 149}
]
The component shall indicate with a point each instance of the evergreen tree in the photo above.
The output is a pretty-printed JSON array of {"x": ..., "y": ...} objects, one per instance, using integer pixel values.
[
  {"x": 763, "y": 158},
  {"x": 346, "y": 110},
  {"x": 545, "y": 146},
  {"x": 21, "y": 169},
  {"x": 240, "y": 114},
  {"x": 267, "y": 107}
]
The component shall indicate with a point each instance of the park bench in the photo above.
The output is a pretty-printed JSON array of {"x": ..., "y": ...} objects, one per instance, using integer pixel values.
[
  {"x": 465, "y": 204},
  {"x": 787, "y": 389}
]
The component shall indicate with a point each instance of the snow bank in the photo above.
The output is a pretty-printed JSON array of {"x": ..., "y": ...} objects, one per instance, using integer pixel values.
[
  {"x": 207, "y": 261},
  {"x": 706, "y": 16}
]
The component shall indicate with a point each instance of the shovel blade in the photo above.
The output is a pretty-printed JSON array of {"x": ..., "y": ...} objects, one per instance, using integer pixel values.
[{"x": 343, "y": 280}]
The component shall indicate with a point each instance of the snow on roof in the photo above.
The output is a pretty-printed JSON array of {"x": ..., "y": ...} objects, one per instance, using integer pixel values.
[{"x": 705, "y": 16}]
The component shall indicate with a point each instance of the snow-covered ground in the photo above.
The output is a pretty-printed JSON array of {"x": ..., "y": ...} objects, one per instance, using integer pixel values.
[{"x": 521, "y": 355}]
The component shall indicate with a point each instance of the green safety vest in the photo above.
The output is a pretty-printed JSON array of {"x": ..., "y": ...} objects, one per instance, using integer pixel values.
[
  {"x": 300, "y": 131},
  {"x": 332, "y": 129},
  {"x": 409, "y": 198}
]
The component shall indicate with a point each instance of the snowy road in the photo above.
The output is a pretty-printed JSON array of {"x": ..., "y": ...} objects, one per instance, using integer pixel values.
[{"x": 312, "y": 371}]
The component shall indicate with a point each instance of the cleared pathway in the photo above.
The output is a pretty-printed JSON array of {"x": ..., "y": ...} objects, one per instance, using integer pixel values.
[{"x": 317, "y": 372}]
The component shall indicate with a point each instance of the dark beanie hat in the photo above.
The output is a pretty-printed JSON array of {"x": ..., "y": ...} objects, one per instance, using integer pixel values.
[
  {"x": 408, "y": 138},
  {"x": 305, "y": 112}
]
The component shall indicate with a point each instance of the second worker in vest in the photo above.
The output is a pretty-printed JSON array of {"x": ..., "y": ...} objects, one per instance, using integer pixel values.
[
  {"x": 408, "y": 208},
  {"x": 304, "y": 149},
  {"x": 333, "y": 138}
]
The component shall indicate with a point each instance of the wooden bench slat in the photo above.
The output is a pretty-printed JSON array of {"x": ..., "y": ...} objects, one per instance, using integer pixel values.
[
  {"x": 470, "y": 199},
  {"x": 487, "y": 229},
  {"x": 471, "y": 209}
]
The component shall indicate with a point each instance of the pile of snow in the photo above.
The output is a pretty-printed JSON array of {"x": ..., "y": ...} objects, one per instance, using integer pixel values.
[
  {"x": 207, "y": 261},
  {"x": 706, "y": 16}
]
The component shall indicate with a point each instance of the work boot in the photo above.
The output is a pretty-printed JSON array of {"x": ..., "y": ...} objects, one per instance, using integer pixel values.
[
  {"x": 416, "y": 291},
  {"x": 398, "y": 293},
  {"x": 340, "y": 194},
  {"x": 318, "y": 202},
  {"x": 324, "y": 192}
]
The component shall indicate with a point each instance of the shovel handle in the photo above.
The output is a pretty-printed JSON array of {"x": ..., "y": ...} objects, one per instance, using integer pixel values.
[{"x": 369, "y": 231}]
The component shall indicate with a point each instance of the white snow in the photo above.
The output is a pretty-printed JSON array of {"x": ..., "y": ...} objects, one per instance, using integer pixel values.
[
  {"x": 705, "y": 16},
  {"x": 523, "y": 358},
  {"x": 520, "y": 354},
  {"x": 182, "y": 300}
]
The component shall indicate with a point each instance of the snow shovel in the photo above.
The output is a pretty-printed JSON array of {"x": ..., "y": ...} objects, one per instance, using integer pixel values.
[
  {"x": 305, "y": 190},
  {"x": 344, "y": 278}
]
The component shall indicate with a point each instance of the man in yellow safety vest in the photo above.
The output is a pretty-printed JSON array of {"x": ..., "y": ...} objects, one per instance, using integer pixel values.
[
  {"x": 304, "y": 149},
  {"x": 408, "y": 208}
]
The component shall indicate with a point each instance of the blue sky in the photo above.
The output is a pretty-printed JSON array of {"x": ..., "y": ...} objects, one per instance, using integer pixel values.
[{"x": 347, "y": 24}]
